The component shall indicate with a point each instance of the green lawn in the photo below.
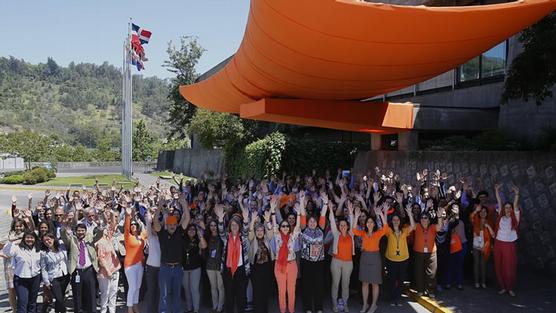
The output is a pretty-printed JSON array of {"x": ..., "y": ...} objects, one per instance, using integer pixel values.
[{"x": 89, "y": 181}]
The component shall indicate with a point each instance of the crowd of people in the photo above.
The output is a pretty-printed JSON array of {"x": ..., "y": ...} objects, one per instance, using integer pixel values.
[{"x": 237, "y": 242}]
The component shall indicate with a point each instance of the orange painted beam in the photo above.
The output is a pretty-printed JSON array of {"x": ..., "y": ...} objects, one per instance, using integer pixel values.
[
  {"x": 342, "y": 50},
  {"x": 345, "y": 115}
]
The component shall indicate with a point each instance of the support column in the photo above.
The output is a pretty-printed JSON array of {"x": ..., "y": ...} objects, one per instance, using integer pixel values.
[
  {"x": 376, "y": 142},
  {"x": 408, "y": 141}
]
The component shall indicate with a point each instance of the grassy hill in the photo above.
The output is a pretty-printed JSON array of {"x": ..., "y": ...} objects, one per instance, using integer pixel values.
[{"x": 79, "y": 104}]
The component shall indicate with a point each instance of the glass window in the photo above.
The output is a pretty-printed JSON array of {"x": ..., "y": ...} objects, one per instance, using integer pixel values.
[
  {"x": 494, "y": 61},
  {"x": 470, "y": 70}
]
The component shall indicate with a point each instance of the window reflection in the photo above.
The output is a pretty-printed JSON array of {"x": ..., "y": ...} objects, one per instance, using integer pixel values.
[{"x": 490, "y": 64}]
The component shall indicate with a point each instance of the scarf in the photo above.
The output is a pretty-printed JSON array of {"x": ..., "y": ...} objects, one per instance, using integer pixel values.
[
  {"x": 234, "y": 248},
  {"x": 283, "y": 253}
]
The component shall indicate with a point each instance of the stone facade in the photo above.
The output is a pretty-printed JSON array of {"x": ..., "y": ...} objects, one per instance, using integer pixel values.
[{"x": 533, "y": 172}]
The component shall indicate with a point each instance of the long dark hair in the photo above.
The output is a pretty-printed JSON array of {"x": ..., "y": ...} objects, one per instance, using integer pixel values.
[
  {"x": 374, "y": 227},
  {"x": 17, "y": 220},
  {"x": 28, "y": 232},
  {"x": 56, "y": 245}
]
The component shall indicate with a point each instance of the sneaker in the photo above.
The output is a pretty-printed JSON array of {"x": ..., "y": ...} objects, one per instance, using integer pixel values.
[
  {"x": 340, "y": 304},
  {"x": 345, "y": 308},
  {"x": 511, "y": 293},
  {"x": 483, "y": 286},
  {"x": 432, "y": 295},
  {"x": 502, "y": 291},
  {"x": 477, "y": 286}
]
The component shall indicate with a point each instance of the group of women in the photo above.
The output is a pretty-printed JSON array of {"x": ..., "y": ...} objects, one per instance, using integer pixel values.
[{"x": 239, "y": 238}]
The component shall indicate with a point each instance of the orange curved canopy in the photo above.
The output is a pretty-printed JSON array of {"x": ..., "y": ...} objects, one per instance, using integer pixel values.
[{"x": 348, "y": 50}]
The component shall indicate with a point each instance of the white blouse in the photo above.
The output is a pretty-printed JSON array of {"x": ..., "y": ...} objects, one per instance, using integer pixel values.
[
  {"x": 54, "y": 265},
  {"x": 27, "y": 262},
  {"x": 505, "y": 231}
]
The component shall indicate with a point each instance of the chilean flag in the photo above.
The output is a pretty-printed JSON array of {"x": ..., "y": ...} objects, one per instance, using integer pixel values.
[{"x": 143, "y": 34}]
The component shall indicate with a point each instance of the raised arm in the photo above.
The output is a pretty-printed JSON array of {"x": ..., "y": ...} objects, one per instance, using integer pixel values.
[
  {"x": 498, "y": 198},
  {"x": 516, "y": 197},
  {"x": 186, "y": 216},
  {"x": 332, "y": 220},
  {"x": 411, "y": 219}
]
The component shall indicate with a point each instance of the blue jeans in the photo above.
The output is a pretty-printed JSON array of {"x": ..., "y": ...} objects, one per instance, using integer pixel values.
[
  {"x": 169, "y": 281},
  {"x": 27, "y": 290}
]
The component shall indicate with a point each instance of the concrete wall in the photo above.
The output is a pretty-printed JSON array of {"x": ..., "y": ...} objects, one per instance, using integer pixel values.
[
  {"x": 11, "y": 164},
  {"x": 533, "y": 172},
  {"x": 192, "y": 162}
]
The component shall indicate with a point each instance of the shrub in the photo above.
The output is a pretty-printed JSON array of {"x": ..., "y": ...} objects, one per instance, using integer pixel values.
[
  {"x": 14, "y": 173},
  {"x": 12, "y": 179},
  {"x": 261, "y": 158},
  {"x": 36, "y": 175}
]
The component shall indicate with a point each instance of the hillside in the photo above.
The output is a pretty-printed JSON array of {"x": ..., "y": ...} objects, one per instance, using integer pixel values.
[{"x": 79, "y": 104}]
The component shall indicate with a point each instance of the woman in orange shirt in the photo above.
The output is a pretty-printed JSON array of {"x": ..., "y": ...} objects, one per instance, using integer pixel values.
[
  {"x": 133, "y": 262},
  {"x": 424, "y": 256},
  {"x": 370, "y": 268},
  {"x": 482, "y": 234},
  {"x": 343, "y": 249}
]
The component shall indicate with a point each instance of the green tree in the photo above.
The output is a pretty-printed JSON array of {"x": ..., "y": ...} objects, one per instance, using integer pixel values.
[
  {"x": 31, "y": 146},
  {"x": 143, "y": 142},
  {"x": 182, "y": 63},
  {"x": 533, "y": 72},
  {"x": 216, "y": 129}
]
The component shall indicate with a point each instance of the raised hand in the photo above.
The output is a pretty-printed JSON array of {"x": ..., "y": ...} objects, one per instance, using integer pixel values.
[
  {"x": 219, "y": 211},
  {"x": 515, "y": 188},
  {"x": 266, "y": 216},
  {"x": 497, "y": 187},
  {"x": 14, "y": 199}
]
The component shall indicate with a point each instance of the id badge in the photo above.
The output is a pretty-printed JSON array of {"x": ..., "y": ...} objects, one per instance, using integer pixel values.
[
  {"x": 426, "y": 250},
  {"x": 213, "y": 253},
  {"x": 77, "y": 278}
]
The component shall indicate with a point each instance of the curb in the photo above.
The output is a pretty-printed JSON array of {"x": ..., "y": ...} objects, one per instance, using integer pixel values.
[{"x": 428, "y": 303}]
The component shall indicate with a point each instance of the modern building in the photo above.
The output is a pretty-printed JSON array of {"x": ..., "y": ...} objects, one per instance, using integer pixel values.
[{"x": 336, "y": 74}]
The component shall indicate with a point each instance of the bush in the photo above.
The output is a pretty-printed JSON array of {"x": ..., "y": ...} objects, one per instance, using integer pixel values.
[
  {"x": 261, "y": 158},
  {"x": 37, "y": 175},
  {"x": 14, "y": 173},
  {"x": 276, "y": 152},
  {"x": 12, "y": 179}
]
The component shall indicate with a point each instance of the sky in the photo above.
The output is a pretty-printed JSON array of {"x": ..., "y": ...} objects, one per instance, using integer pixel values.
[{"x": 94, "y": 31}]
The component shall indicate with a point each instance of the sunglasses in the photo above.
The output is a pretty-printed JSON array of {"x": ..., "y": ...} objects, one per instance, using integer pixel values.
[
  {"x": 285, "y": 226},
  {"x": 59, "y": 215}
]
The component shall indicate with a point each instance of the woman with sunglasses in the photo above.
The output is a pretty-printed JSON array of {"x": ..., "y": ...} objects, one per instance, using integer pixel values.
[
  {"x": 214, "y": 266},
  {"x": 424, "y": 253},
  {"x": 370, "y": 269},
  {"x": 133, "y": 262},
  {"x": 285, "y": 269}
]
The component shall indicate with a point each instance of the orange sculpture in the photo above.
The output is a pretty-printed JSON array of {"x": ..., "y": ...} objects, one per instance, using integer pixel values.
[{"x": 309, "y": 62}]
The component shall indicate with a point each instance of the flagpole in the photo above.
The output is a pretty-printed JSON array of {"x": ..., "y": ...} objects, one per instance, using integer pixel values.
[{"x": 127, "y": 111}]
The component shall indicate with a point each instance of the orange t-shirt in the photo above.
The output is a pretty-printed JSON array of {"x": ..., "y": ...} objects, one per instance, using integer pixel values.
[
  {"x": 370, "y": 243},
  {"x": 133, "y": 246},
  {"x": 345, "y": 248},
  {"x": 455, "y": 243},
  {"x": 425, "y": 239}
]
